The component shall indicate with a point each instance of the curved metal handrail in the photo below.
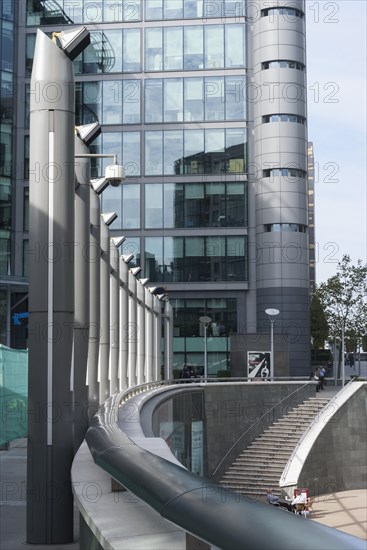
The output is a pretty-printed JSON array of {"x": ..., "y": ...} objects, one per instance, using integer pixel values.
[
  {"x": 199, "y": 506},
  {"x": 256, "y": 424}
]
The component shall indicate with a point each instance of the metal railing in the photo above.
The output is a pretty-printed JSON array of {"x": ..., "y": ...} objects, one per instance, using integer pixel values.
[{"x": 198, "y": 506}]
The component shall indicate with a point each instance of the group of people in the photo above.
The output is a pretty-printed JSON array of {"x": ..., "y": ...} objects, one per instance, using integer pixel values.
[
  {"x": 188, "y": 372},
  {"x": 291, "y": 504},
  {"x": 319, "y": 375}
]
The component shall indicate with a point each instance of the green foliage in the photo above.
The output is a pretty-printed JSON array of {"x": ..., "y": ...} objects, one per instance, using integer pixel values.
[
  {"x": 319, "y": 324},
  {"x": 344, "y": 299}
]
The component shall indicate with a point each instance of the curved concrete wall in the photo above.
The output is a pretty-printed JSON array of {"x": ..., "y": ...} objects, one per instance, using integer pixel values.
[{"x": 337, "y": 460}]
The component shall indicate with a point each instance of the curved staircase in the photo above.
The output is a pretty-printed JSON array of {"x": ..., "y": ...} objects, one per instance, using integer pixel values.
[{"x": 261, "y": 465}]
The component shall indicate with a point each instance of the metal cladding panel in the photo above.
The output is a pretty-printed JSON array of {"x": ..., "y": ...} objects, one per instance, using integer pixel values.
[
  {"x": 52, "y": 81},
  {"x": 266, "y": 4},
  {"x": 82, "y": 223}
]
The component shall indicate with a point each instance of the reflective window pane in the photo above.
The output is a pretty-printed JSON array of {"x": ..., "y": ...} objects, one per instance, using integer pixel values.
[
  {"x": 173, "y": 152},
  {"x": 93, "y": 54},
  {"x": 173, "y": 100},
  {"x": 173, "y": 48},
  {"x": 112, "y": 108},
  {"x": 153, "y": 205},
  {"x": 234, "y": 46},
  {"x": 131, "y": 206},
  {"x": 194, "y": 204},
  {"x": 131, "y": 153},
  {"x": 214, "y": 98},
  {"x": 153, "y": 100},
  {"x": 214, "y": 46},
  {"x": 153, "y": 261},
  {"x": 173, "y": 269},
  {"x": 112, "y": 51},
  {"x": 172, "y": 9},
  {"x": 236, "y": 259},
  {"x": 153, "y": 9},
  {"x": 214, "y": 152},
  {"x": 193, "y": 8},
  {"x": 131, "y": 101},
  {"x": 92, "y": 102},
  {"x": 194, "y": 152},
  {"x": 235, "y": 98},
  {"x": 173, "y": 205},
  {"x": 194, "y": 99},
  {"x": 153, "y": 153},
  {"x": 131, "y": 50},
  {"x": 193, "y": 48},
  {"x": 131, "y": 10},
  {"x": 235, "y": 150},
  {"x": 153, "y": 50}
]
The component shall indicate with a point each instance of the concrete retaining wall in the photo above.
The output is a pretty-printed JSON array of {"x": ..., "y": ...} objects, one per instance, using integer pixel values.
[{"x": 338, "y": 459}]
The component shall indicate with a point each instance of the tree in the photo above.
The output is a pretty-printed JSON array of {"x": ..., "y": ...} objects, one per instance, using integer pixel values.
[
  {"x": 344, "y": 299},
  {"x": 319, "y": 324}
]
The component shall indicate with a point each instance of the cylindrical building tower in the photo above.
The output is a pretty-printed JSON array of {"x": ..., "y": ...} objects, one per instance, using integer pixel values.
[{"x": 280, "y": 161}]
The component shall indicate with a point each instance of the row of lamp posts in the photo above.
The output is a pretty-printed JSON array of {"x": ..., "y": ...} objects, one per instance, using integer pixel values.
[{"x": 94, "y": 327}]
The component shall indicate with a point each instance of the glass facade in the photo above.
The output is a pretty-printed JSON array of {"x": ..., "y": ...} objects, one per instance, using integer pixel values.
[
  {"x": 6, "y": 131},
  {"x": 172, "y": 103}
]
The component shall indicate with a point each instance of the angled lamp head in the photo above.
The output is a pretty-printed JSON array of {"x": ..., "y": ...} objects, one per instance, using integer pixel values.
[
  {"x": 109, "y": 218},
  {"x": 88, "y": 132},
  {"x": 73, "y": 41},
  {"x": 135, "y": 270},
  {"x": 127, "y": 257},
  {"x": 117, "y": 241}
]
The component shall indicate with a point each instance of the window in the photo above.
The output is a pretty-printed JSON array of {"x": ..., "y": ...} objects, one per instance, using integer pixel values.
[
  {"x": 284, "y": 118},
  {"x": 195, "y": 151},
  {"x": 153, "y": 153},
  {"x": 288, "y": 13},
  {"x": 131, "y": 50},
  {"x": 153, "y": 100},
  {"x": 222, "y": 311},
  {"x": 193, "y": 48},
  {"x": 292, "y": 227},
  {"x": 173, "y": 48},
  {"x": 214, "y": 50},
  {"x": 195, "y": 259},
  {"x": 173, "y": 100},
  {"x": 283, "y": 65},
  {"x": 284, "y": 172},
  {"x": 234, "y": 46},
  {"x": 153, "y": 50},
  {"x": 131, "y": 206}
]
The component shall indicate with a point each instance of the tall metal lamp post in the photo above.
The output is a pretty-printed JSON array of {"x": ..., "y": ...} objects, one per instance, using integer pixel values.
[
  {"x": 272, "y": 313},
  {"x": 205, "y": 321}
]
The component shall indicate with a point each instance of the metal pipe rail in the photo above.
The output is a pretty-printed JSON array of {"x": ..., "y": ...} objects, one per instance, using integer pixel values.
[{"x": 200, "y": 507}]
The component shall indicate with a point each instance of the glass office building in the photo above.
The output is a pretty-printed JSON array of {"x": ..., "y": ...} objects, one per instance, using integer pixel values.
[{"x": 214, "y": 206}]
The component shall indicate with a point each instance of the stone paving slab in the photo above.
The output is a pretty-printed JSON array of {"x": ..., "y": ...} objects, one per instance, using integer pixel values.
[{"x": 346, "y": 511}]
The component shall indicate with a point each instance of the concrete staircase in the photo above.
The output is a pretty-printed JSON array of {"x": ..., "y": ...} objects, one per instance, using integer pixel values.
[{"x": 260, "y": 466}]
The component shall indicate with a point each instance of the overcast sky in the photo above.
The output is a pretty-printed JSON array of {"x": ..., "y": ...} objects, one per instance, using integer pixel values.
[{"x": 336, "y": 61}]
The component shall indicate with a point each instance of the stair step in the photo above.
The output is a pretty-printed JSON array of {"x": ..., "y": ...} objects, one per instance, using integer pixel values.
[{"x": 260, "y": 465}]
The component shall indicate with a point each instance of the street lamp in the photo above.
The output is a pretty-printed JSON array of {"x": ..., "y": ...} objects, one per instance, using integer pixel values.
[
  {"x": 205, "y": 321},
  {"x": 272, "y": 313}
]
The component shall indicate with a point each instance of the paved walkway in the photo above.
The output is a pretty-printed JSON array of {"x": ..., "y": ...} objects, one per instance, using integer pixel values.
[
  {"x": 346, "y": 511},
  {"x": 13, "y": 475}
]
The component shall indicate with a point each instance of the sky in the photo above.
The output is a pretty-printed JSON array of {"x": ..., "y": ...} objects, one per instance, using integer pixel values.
[{"x": 336, "y": 68}]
